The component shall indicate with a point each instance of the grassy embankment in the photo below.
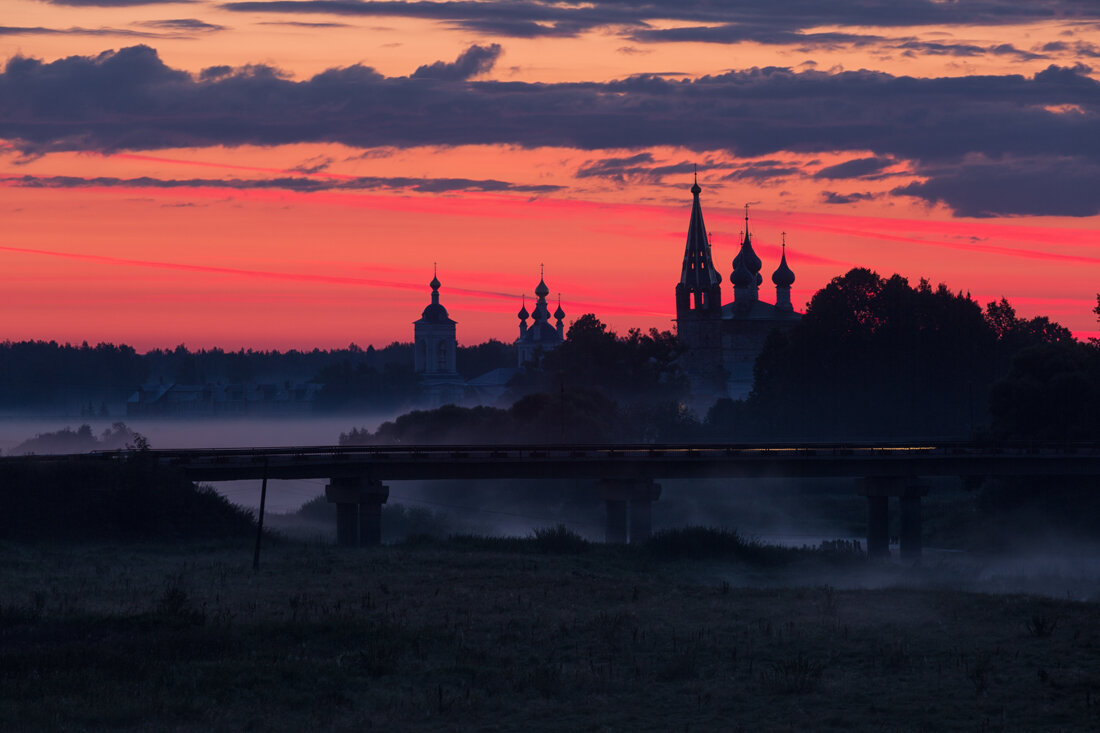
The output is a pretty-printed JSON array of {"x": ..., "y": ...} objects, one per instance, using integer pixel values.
[{"x": 548, "y": 633}]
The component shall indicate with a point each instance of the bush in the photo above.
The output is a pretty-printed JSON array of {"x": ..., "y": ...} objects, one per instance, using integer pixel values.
[
  {"x": 100, "y": 499},
  {"x": 709, "y": 543}
]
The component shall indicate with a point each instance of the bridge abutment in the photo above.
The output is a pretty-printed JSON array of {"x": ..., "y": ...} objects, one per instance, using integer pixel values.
[
  {"x": 878, "y": 490},
  {"x": 358, "y": 503},
  {"x": 629, "y": 499}
]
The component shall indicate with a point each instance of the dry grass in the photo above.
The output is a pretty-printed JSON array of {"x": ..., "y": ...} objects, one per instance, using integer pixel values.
[{"x": 439, "y": 636}]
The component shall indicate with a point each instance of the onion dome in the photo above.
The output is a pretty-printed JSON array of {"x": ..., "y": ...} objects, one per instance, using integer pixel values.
[
  {"x": 741, "y": 277},
  {"x": 541, "y": 290},
  {"x": 523, "y": 314},
  {"x": 783, "y": 275},
  {"x": 749, "y": 258},
  {"x": 435, "y": 312},
  {"x": 559, "y": 313},
  {"x": 748, "y": 255}
]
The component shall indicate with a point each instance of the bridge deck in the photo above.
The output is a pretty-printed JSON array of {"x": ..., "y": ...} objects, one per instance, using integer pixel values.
[{"x": 424, "y": 462}]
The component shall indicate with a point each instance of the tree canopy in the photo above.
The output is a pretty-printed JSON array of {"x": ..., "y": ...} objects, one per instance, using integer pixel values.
[{"x": 875, "y": 357}]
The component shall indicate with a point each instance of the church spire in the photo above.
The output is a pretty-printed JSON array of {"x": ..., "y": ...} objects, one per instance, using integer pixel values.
[{"x": 699, "y": 288}]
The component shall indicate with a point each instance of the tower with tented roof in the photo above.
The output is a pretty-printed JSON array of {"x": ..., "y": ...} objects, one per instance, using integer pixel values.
[{"x": 699, "y": 305}]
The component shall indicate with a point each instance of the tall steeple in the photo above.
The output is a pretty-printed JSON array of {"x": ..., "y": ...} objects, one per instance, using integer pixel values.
[{"x": 699, "y": 292}]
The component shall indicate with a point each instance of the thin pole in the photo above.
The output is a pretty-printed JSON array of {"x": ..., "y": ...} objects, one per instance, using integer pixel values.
[{"x": 260, "y": 522}]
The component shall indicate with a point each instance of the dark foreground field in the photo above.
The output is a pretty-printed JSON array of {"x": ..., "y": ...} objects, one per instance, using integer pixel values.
[{"x": 453, "y": 635}]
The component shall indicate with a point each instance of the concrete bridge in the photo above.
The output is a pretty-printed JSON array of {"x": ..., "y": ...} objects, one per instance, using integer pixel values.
[{"x": 626, "y": 475}]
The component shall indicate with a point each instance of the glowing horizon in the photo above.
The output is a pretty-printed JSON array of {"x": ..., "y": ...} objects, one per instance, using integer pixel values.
[{"x": 146, "y": 203}]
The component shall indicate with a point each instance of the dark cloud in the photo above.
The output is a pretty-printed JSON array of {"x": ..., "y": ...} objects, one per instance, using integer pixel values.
[
  {"x": 316, "y": 164},
  {"x": 614, "y": 167},
  {"x": 935, "y": 48},
  {"x": 1035, "y": 186},
  {"x": 471, "y": 62},
  {"x": 766, "y": 34},
  {"x": 762, "y": 170},
  {"x": 831, "y": 197},
  {"x": 635, "y": 169},
  {"x": 304, "y": 24},
  {"x": 289, "y": 183},
  {"x": 760, "y": 21},
  {"x": 115, "y": 3},
  {"x": 130, "y": 99},
  {"x": 7, "y": 30},
  {"x": 182, "y": 24},
  {"x": 1080, "y": 48},
  {"x": 855, "y": 168}
]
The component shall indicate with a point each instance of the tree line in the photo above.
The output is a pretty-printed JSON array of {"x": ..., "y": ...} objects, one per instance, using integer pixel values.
[
  {"x": 47, "y": 375},
  {"x": 873, "y": 358}
]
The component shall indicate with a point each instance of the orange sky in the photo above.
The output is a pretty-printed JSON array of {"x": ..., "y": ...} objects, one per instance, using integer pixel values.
[{"x": 321, "y": 242}]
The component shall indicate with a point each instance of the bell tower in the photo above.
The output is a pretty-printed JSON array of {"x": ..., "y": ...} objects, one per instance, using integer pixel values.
[{"x": 699, "y": 303}]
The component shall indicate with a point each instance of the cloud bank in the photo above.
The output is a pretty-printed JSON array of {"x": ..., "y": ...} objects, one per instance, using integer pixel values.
[{"x": 989, "y": 125}]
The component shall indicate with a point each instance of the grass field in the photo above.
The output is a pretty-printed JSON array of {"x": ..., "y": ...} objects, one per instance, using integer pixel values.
[{"x": 522, "y": 635}]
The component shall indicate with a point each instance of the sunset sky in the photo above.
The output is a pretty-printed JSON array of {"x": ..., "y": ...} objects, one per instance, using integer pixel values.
[{"x": 284, "y": 173}]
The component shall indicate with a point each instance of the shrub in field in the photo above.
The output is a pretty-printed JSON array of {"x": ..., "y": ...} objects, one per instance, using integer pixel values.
[
  {"x": 559, "y": 540},
  {"x": 100, "y": 499},
  {"x": 709, "y": 543}
]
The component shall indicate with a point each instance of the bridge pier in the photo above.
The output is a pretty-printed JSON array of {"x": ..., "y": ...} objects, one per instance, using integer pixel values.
[
  {"x": 878, "y": 490},
  {"x": 910, "y": 527},
  {"x": 638, "y": 496},
  {"x": 616, "y": 522},
  {"x": 358, "y": 503},
  {"x": 878, "y": 527}
]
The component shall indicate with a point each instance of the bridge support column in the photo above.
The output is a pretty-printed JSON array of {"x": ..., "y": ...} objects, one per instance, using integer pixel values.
[
  {"x": 641, "y": 520},
  {"x": 616, "y": 522},
  {"x": 910, "y": 527},
  {"x": 878, "y": 490},
  {"x": 639, "y": 495},
  {"x": 347, "y": 525},
  {"x": 358, "y": 503},
  {"x": 878, "y": 527}
]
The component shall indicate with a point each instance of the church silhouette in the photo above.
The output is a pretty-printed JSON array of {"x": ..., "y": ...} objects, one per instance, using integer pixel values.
[{"x": 720, "y": 341}]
